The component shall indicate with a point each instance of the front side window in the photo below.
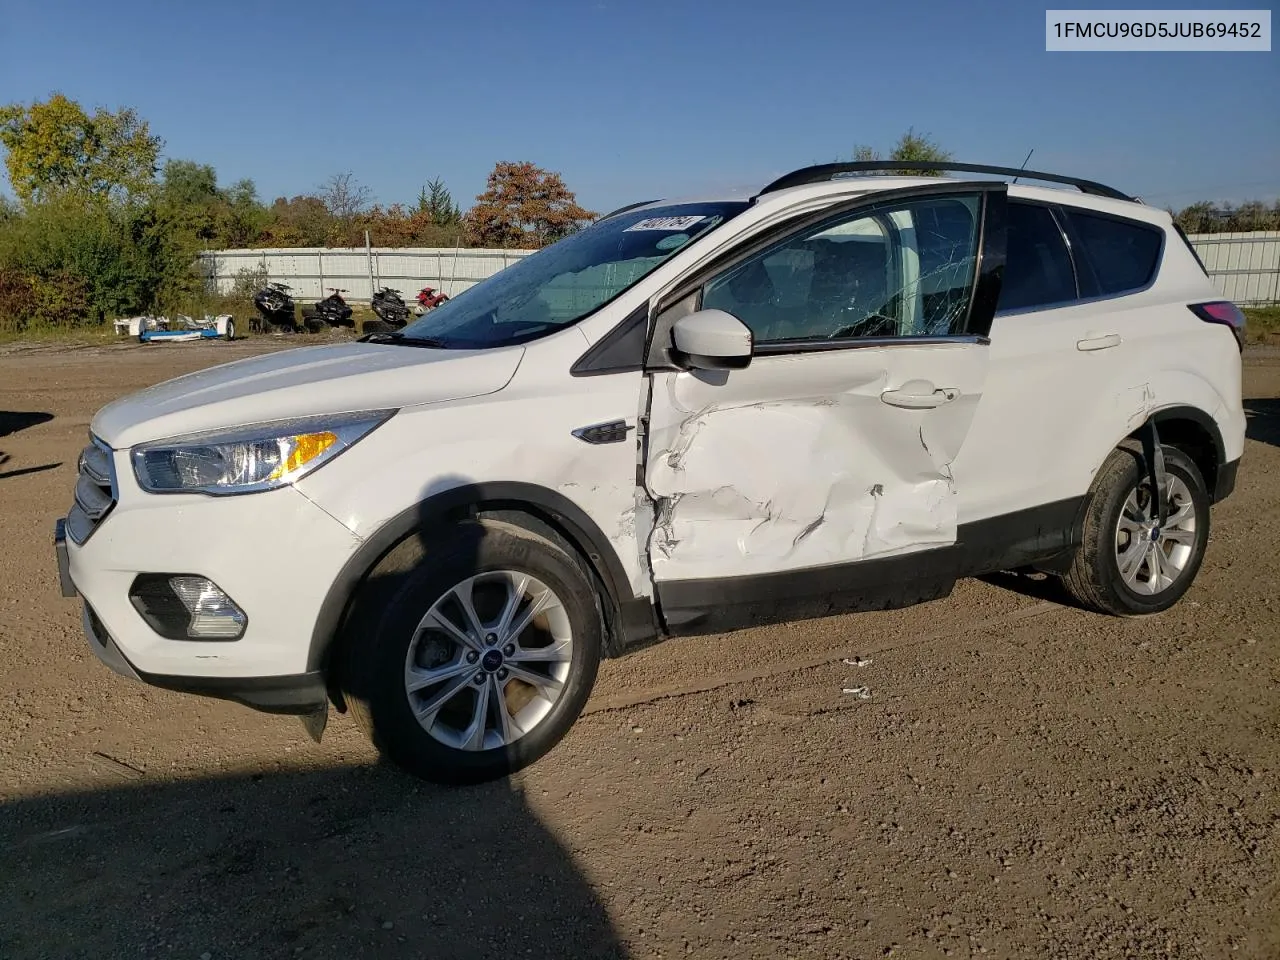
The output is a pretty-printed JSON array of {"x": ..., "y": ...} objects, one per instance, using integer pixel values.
[
  {"x": 1037, "y": 267},
  {"x": 903, "y": 269},
  {"x": 565, "y": 282},
  {"x": 1122, "y": 254}
]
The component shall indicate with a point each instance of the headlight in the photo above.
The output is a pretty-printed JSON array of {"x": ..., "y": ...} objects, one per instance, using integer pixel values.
[{"x": 261, "y": 456}]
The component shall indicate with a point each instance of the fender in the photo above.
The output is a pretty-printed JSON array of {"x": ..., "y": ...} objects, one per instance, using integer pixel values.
[{"x": 574, "y": 523}]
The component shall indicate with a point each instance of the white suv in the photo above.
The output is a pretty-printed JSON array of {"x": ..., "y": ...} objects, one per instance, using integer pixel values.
[{"x": 842, "y": 393}]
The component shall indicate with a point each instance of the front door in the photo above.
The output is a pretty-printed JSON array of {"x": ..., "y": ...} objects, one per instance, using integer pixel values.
[{"x": 818, "y": 479}]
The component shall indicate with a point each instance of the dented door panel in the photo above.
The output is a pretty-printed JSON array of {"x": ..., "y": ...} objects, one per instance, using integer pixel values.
[{"x": 797, "y": 462}]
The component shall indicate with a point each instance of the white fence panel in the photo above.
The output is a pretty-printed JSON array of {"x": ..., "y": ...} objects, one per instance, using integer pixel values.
[
  {"x": 310, "y": 272},
  {"x": 1244, "y": 266}
]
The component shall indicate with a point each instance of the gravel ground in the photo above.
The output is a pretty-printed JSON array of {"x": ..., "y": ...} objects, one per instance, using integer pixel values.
[{"x": 1025, "y": 779}]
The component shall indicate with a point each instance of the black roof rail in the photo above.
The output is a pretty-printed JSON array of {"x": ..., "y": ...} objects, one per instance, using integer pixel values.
[
  {"x": 629, "y": 206},
  {"x": 830, "y": 171}
]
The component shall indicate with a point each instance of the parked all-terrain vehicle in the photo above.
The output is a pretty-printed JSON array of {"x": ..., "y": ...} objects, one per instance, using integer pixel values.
[
  {"x": 274, "y": 303},
  {"x": 390, "y": 307},
  {"x": 428, "y": 299},
  {"x": 333, "y": 310},
  {"x": 840, "y": 393}
]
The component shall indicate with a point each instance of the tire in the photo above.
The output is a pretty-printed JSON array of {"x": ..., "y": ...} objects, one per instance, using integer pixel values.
[
  {"x": 231, "y": 330},
  {"x": 1095, "y": 577},
  {"x": 315, "y": 325},
  {"x": 376, "y": 326},
  {"x": 387, "y": 646}
]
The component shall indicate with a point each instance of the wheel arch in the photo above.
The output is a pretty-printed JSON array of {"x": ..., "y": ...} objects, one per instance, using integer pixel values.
[
  {"x": 628, "y": 616},
  {"x": 1197, "y": 435}
]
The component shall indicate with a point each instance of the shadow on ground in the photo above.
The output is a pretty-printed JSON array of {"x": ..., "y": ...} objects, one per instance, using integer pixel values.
[
  {"x": 11, "y": 421},
  {"x": 348, "y": 862},
  {"x": 1262, "y": 421},
  {"x": 1038, "y": 586}
]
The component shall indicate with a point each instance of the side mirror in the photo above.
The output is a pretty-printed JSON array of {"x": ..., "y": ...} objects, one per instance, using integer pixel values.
[{"x": 712, "y": 340}]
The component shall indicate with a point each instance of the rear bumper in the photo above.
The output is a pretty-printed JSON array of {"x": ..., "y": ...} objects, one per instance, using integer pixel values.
[
  {"x": 302, "y": 693},
  {"x": 1226, "y": 481}
]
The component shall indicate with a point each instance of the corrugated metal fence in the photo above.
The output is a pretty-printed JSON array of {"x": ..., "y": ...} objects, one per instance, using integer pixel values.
[
  {"x": 1245, "y": 267},
  {"x": 311, "y": 270}
]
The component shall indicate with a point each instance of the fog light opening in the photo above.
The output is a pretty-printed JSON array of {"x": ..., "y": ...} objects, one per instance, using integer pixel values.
[
  {"x": 187, "y": 607},
  {"x": 214, "y": 615}
]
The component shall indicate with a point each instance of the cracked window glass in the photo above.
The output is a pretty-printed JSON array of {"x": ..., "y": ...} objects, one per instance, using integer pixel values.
[{"x": 898, "y": 270}]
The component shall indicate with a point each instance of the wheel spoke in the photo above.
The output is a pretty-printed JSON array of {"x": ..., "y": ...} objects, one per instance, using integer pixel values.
[
  {"x": 543, "y": 601},
  {"x": 510, "y": 729},
  {"x": 441, "y": 622},
  {"x": 1132, "y": 511},
  {"x": 547, "y": 686},
  {"x": 469, "y": 610},
  {"x": 426, "y": 711},
  {"x": 417, "y": 678},
  {"x": 516, "y": 591},
  {"x": 473, "y": 737},
  {"x": 1181, "y": 515},
  {"x": 1159, "y": 577},
  {"x": 1178, "y": 535},
  {"x": 1130, "y": 561},
  {"x": 559, "y": 651},
  {"x": 1131, "y": 527}
]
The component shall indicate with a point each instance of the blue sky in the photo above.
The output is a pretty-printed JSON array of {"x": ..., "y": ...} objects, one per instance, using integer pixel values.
[{"x": 641, "y": 99}]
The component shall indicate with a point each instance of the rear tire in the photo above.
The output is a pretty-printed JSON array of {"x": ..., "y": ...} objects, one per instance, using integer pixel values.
[
  {"x": 1125, "y": 564},
  {"x": 459, "y": 700},
  {"x": 231, "y": 330}
]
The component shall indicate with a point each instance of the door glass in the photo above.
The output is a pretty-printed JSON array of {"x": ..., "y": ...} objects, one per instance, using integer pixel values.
[
  {"x": 898, "y": 270},
  {"x": 1037, "y": 269}
]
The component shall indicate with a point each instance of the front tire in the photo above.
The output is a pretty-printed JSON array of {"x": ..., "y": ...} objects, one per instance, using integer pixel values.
[
  {"x": 471, "y": 659},
  {"x": 1127, "y": 563}
]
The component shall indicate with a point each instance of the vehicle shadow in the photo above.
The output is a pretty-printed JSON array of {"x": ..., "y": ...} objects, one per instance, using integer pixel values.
[
  {"x": 349, "y": 862},
  {"x": 1038, "y": 586},
  {"x": 1262, "y": 421},
  {"x": 11, "y": 421}
]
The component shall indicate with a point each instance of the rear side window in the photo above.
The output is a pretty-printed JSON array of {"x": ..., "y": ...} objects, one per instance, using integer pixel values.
[
  {"x": 1121, "y": 254},
  {"x": 1038, "y": 268}
]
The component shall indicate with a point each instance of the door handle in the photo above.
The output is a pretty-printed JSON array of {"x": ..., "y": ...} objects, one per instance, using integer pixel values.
[
  {"x": 1099, "y": 343},
  {"x": 919, "y": 401}
]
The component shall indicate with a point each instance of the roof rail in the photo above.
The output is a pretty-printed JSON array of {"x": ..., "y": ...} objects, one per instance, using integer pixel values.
[
  {"x": 830, "y": 171},
  {"x": 629, "y": 206}
]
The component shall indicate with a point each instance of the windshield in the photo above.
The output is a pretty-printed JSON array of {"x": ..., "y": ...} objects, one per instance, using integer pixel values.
[{"x": 562, "y": 283}]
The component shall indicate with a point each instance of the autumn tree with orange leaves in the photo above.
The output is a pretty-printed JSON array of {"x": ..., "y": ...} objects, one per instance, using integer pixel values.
[{"x": 523, "y": 206}]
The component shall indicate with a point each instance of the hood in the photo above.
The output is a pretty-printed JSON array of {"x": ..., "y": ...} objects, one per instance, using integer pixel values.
[{"x": 306, "y": 381}]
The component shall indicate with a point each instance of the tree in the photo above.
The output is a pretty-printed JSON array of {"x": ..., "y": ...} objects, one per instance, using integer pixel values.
[
  {"x": 297, "y": 222},
  {"x": 55, "y": 147},
  {"x": 911, "y": 147},
  {"x": 436, "y": 202},
  {"x": 344, "y": 197},
  {"x": 523, "y": 206}
]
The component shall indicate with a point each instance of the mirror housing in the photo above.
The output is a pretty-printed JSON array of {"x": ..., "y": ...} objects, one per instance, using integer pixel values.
[{"x": 712, "y": 340}]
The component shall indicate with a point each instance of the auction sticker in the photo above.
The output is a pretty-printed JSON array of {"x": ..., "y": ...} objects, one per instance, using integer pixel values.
[{"x": 664, "y": 223}]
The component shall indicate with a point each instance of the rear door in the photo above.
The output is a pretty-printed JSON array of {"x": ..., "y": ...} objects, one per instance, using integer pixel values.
[{"x": 818, "y": 478}]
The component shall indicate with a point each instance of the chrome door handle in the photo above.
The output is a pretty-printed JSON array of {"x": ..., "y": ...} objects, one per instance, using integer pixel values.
[
  {"x": 1099, "y": 343},
  {"x": 919, "y": 401}
]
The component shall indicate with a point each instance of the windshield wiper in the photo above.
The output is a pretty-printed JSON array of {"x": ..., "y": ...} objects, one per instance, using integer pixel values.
[{"x": 401, "y": 340}]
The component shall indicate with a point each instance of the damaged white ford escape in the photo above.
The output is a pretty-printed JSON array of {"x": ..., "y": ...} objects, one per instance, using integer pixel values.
[{"x": 842, "y": 393}]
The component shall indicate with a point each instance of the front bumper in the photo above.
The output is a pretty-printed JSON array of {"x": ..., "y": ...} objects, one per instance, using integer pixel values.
[
  {"x": 275, "y": 554},
  {"x": 302, "y": 693}
]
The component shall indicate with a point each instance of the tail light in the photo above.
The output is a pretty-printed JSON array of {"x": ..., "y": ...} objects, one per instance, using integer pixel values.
[{"x": 1224, "y": 312}]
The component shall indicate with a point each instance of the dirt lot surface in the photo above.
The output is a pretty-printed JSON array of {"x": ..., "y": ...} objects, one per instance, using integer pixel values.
[{"x": 1025, "y": 780}]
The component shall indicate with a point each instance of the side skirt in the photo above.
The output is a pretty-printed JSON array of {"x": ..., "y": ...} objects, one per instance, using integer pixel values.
[{"x": 1036, "y": 535}]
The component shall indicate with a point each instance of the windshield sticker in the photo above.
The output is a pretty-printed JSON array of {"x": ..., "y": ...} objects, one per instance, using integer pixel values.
[
  {"x": 672, "y": 242},
  {"x": 664, "y": 223}
]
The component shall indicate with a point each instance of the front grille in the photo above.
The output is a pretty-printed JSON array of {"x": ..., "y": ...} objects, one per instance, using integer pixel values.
[{"x": 95, "y": 491}]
